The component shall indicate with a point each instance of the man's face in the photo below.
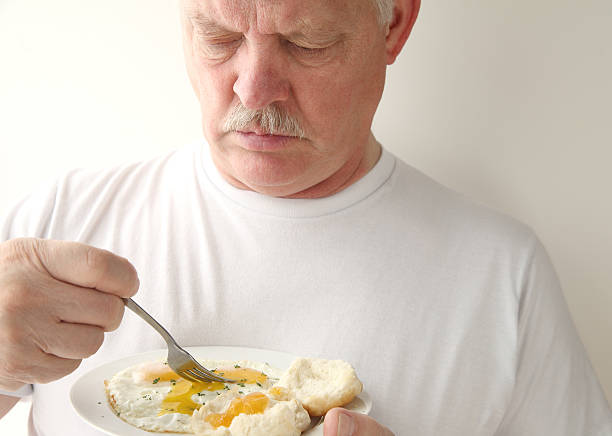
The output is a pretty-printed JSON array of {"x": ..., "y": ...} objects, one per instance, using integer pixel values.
[{"x": 319, "y": 62}]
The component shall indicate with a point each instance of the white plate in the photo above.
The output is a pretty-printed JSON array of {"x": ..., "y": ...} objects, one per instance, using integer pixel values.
[{"x": 89, "y": 399}]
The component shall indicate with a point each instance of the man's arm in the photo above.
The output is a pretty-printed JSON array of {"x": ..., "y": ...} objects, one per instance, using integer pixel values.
[
  {"x": 556, "y": 391},
  {"x": 6, "y": 404}
]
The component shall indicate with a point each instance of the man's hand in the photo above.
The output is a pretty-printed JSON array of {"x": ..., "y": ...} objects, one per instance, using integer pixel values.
[
  {"x": 341, "y": 422},
  {"x": 57, "y": 299}
]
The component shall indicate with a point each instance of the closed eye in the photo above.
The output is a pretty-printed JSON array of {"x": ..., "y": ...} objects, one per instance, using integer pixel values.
[
  {"x": 307, "y": 51},
  {"x": 223, "y": 43},
  {"x": 216, "y": 49}
]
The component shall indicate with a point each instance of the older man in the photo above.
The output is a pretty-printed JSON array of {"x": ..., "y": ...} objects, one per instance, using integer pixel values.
[{"x": 292, "y": 229}]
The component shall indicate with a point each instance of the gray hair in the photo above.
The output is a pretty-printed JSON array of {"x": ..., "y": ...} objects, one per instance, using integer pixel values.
[
  {"x": 272, "y": 119},
  {"x": 385, "y": 11}
]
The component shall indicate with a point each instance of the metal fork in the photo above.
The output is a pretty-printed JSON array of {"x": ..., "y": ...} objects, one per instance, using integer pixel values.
[{"x": 179, "y": 360}]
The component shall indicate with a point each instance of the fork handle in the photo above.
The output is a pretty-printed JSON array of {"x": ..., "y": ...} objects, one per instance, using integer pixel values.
[{"x": 134, "y": 307}]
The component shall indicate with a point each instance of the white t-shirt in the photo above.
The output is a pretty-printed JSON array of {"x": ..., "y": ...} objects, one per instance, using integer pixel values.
[{"x": 451, "y": 314}]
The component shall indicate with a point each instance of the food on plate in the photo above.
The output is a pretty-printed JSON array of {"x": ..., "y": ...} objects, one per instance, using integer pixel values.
[
  {"x": 152, "y": 397},
  {"x": 269, "y": 413},
  {"x": 264, "y": 401},
  {"x": 321, "y": 384}
]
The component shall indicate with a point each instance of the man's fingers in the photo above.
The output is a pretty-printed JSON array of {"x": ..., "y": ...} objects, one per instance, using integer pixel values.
[
  {"x": 88, "y": 306},
  {"x": 54, "y": 368},
  {"x": 71, "y": 341},
  {"x": 56, "y": 300},
  {"x": 36, "y": 366},
  {"x": 342, "y": 422},
  {"x": 87, "y": 266}
]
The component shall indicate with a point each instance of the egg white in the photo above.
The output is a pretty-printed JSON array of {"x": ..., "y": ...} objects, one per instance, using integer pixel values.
[
  {"x": 282, "y": 416},
  {"x": 138, "y": 400}
]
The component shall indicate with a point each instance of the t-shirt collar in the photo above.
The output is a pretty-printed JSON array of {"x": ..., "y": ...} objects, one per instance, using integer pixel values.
[{"x": 298, "y": 208}]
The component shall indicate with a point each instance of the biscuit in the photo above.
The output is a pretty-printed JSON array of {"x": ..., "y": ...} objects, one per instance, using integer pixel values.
[{"x": 321, "y": 384}]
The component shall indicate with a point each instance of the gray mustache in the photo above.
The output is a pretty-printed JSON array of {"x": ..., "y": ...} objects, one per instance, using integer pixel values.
[{"x": 272, "y": 120}]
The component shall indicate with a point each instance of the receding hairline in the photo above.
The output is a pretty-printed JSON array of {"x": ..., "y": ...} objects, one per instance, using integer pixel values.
[
  {"x": 304, "y": 27},
  {"x": 384, "y": 10}
]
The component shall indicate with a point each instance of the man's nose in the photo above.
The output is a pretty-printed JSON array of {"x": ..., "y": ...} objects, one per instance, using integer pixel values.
[{"x": 261, "y": 80}]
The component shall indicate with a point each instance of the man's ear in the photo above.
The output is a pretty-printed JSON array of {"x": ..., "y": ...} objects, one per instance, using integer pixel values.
[{"x": 404, "y": 16}]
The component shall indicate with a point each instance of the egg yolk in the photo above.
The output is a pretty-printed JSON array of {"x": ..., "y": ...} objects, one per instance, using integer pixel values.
[
  {"x": 277, "y": 391},
  {"x": 250, "y": 405},
  {"x": 178, "y": 400},
  {"x": 159, "y": 373}
]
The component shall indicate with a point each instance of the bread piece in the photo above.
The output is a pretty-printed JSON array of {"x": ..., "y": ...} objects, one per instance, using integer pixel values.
[
  {"x": 321, "y": 384},
  {"x": 282, "y": 417}
]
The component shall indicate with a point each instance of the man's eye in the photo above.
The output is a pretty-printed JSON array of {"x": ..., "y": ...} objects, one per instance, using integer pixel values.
[
  {"x": 308, "y": 51},
  {"x": 219, "y": 48},
  {"x": 223, "y": 45}
]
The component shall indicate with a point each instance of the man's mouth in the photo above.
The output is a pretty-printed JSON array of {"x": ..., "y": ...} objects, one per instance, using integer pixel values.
[
  {"x": 259, "y": 140},
  {"x": 260, "y": 132}
]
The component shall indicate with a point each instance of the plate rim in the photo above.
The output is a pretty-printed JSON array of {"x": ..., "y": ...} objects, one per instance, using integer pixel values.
[{"x": 124, "y": 362}]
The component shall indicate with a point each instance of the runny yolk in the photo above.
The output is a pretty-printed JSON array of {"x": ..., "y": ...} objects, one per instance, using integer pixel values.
[
  {"x": 250, "y": 405},
  {"x": 159, "y": 373},
  {"x": 178, "y": 400}
]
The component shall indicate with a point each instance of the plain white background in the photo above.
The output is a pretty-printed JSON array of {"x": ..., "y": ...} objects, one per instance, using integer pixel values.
[{"x": 507, "y": 101}]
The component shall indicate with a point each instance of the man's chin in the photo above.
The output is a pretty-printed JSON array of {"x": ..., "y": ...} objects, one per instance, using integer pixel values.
[
  {"x": 285, "y": 188},
  {"x": 279, "y": 173},
  {"x": 267, "y": 174},
  {"x": 276, "y": 187}
]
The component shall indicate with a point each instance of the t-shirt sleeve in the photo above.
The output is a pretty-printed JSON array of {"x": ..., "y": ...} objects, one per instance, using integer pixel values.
[
  {"x": 556, "y": 391},
  {"x": 32, "y": 216}
]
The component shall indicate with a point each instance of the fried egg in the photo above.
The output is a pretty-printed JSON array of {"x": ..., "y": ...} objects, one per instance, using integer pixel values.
[
  {"x": 152, "y": 397},
  {"x": 270, "y": 413},
  {"x": 264, "y": 401}
]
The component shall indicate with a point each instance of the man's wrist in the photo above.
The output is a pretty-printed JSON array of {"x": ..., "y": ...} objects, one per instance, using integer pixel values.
[{"x": 23, "y": 391}]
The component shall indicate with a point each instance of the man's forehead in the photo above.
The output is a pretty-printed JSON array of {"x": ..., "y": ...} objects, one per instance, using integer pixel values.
[{"x": 273, "y": 16}]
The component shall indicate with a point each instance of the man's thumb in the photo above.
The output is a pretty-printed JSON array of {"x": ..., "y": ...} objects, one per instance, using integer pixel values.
[{"x": 342, "y": 422}]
